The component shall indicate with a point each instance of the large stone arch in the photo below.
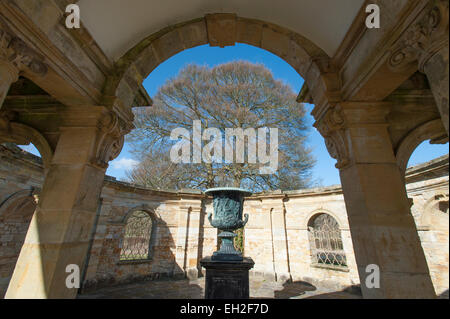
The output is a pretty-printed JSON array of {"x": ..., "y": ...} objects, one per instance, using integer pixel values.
[
  {"x": 223, "y": 29},
  {"x": 431, "y": 208},
  {"x": 431, "y": 130},
  {"x": 18, "y": 133},
  {"x": 16, "y": 203}
]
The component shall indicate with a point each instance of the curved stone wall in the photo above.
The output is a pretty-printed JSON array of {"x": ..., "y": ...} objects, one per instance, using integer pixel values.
[{"x": 277, "y": 236}]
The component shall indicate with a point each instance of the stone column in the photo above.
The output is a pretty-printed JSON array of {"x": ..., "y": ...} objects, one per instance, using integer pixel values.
[
  {"x": 436, "y": 68},
  {"x": 192, "y": 249},
  {"x": 381, "y": 224},
  {"x": 426, "y": 42},
  {"x": 181, "y": 242},
  {"x": 431, "y": 46},
  {"x": 281, "y": 259},
  {"x": 61, "y": 226},
  {"x": 187, "y": 239}
]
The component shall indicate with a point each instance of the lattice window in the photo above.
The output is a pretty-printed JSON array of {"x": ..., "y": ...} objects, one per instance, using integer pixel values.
[
  {"x": 137, "y": 236},
  {"x": 326, "y": 242}
]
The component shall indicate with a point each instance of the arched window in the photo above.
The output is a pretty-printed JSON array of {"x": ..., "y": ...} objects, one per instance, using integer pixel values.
[
  {"x": 137, "y": 237},
  {"x": 326, "y": 242}
]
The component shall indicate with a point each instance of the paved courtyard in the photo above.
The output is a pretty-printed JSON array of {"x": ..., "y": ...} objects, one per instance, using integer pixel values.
[{"x": 194, "y": 289}]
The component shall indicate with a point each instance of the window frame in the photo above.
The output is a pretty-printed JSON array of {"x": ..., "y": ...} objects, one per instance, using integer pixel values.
[
  {"x": 151, "y": 238},
  {"x": 337, "y": 239}
]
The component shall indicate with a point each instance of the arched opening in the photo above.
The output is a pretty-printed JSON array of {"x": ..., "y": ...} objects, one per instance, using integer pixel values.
[
  {"x": 426, "y": 151},
  {"x": 427, "y": 185},
  {"x": 325, "y": 241},
  {"x": 324, "y": 172},
  {"x": 137, "y": 237},
  {"x": 123, "y": 88}
]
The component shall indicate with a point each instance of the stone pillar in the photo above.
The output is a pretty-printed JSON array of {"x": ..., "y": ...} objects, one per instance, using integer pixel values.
[
  {"x": 381, "y": 224},
  {"x": 432, "y": 49},
  {"x": 61, "y": 226},
  {"x": 192, "y": 249},
  {"x": 280, "y": 252},
  {"x": 436, "y": 68},
  {"x": 181, "y": 242},
  {"x": 426, "y": 42},
  {"x": 187, "y": 240}
]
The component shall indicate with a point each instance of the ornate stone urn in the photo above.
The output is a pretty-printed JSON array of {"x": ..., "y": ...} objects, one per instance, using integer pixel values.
[{"x": 228, "y": 206}]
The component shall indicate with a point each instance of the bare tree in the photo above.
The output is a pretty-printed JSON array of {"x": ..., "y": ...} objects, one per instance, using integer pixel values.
[{"x": 232, "y": 95}]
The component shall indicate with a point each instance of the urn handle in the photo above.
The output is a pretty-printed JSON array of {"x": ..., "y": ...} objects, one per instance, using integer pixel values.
[
  {"x": 210, "y": 218},
  {"x": 245, "y": 220}
]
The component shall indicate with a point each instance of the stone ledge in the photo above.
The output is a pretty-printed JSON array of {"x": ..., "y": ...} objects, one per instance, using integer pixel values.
[
  {"x": 134, "y": 262},
  {"x": 330, "y": 267}
]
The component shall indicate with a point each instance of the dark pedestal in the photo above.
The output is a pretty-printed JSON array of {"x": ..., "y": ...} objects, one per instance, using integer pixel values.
[{"x": 227, "y": 279}]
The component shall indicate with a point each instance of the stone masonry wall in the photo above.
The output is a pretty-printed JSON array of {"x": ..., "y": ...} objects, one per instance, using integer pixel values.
[
  {"x": 276, "y": 236},
  {"x": 20, "y": 178}
]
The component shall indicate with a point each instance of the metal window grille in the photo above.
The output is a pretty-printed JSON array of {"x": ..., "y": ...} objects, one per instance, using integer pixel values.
[
  {"x": 136, "y": 240},
  {"x": 326, "y": 241}
]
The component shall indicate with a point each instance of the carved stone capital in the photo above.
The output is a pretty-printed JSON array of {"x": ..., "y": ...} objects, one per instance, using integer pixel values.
[
  {"x": 423, "y": 39},
  {"x": 332, "y": 126},
  {"x": 19, "y": 55},
  {"x": 112, "y": 130}
]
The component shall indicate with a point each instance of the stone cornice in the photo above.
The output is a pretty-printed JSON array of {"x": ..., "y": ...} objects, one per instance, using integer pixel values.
[
  {"x": 426, "y": 170},
  {"x": 66, "y": 81},
  {"x": 366, "y": 64},
  {"x": 89, "y": 45},
  {"x": 19, "y": 55},
  {"x": 424, "y": 38}
]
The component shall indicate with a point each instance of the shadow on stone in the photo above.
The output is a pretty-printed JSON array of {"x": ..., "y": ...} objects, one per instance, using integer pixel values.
[
  {"x": 350, "y": 292},
  {"x": 293, "y": 289},
  {"x": 444, "y": 295},
  {"x": 155, "y": 289}
]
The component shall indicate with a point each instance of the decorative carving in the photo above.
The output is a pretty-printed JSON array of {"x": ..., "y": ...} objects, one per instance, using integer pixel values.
[
  {"x": 15, "y": 51},
  {"x": 112, "y": 128},
  {"x": 332, "y": 128},
  {"x": 423, "y": 39},
  {"x": 228, "y": 206}
]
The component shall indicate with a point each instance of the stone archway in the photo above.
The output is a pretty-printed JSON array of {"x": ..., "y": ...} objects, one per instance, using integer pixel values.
[
  {"x": 431, "y": 130},
  {"x": 354, "y": 127},
  {"x": 223, "y": 29}
]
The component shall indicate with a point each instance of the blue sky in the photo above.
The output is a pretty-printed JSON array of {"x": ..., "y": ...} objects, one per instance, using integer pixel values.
[{"x": 324, "y": 172}]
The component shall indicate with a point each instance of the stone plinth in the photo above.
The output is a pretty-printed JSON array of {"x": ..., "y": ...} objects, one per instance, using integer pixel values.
[{"x": 227, "y": 279}]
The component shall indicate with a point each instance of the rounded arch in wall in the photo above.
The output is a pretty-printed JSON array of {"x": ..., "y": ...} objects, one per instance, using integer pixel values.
[
  {"x": 23, "y": 135},
  {"x": 18, "y": 205},
  {"x": 222, "y": 29},
  {"x": 325, "y": 240},
  {"x": 153, "y": 213},
  {"x": 138, "y": 235},
  {"x": 320, "y": 211},
  {"x": 435, "y": 213},
  {"x": 431, "y": 130}
]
